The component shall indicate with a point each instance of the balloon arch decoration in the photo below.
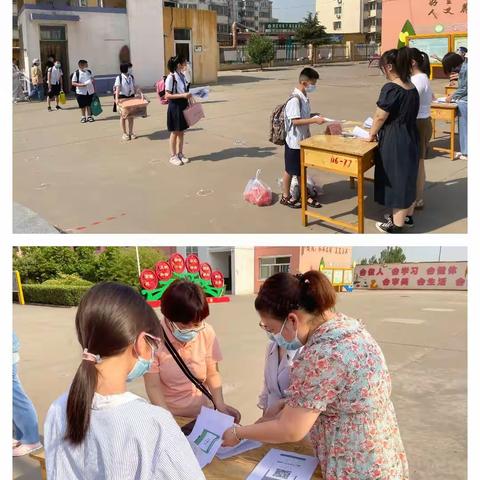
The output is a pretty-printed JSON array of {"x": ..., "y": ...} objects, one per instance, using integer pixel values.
[{"x": 156, "y": 280}]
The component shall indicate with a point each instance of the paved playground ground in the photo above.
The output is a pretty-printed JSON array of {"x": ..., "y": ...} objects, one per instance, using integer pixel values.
[
  {"x": 423, "y": 336},
  {"x": 83, "y": 179}
]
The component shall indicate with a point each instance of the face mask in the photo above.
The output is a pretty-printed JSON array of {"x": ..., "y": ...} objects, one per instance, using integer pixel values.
[
  {"x": 311, "y": 88},
  {"x": 58, "y": 65},
  {"x": 295, "y": 344},
  {"x": 129, "y": 71},
  {"x": 184, "y": 337},
  {"x": 141, "y": 368}
]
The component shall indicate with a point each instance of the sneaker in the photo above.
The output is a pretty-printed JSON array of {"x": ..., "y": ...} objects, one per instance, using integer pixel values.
[
  {"x": 126, "y": 137},
  {"x": 50, "y": 109},
  {"x": 133, "y": 136},
  {"x": 83, "y": 120},
  {"x": 388, "y": 227},
  {"x": 183, "y": 158},
  {"x": 15, "y": 443},
  {"x": 176, "y": 161},
  {"x": 409, "y": 223},
  {"x": 23, "y": 449},
  {"x": 90, "y": 119},
  {"x": 58, "y": 107}
]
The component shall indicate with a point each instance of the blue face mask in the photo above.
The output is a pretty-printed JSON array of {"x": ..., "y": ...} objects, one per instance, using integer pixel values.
[
  {"x": 141, "y": 368},
  {"x": 311, "y": 88},
  {"x": 295, "y": 344},
  {"x": 184, "y": 336}
]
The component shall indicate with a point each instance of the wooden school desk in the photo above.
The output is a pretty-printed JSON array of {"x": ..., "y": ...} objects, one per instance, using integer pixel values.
[
  {"x": 235, "y": 468},
  {"x": 448, "y": 113},
  {"x": 449, "y": 90},
  {"x": 350, "y": 157}
]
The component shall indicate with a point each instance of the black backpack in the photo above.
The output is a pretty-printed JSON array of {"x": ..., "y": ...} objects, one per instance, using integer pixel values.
[{"x": 76, "y": 73}]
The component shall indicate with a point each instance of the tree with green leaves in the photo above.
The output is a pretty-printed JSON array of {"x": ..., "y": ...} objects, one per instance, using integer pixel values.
[
  {"x": 260, "y": 50},
  {"x": 388, "y": 255},
  {"x": 311, "y": 32}
]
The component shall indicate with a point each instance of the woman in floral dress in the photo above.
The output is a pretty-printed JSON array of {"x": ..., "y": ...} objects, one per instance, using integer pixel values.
[{"x": 340, "y": 386}]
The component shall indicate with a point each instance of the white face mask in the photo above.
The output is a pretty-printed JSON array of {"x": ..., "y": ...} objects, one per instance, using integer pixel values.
[
  {"x": 129, "y": 71},
  {"x": 311, "y": 88}
]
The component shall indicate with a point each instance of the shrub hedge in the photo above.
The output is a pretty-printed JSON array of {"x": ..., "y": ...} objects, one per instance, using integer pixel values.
[{"x": 65, "y": 295}]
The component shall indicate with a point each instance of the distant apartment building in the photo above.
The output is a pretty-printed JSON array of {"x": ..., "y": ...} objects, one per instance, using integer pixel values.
[
  {"x": 353, "y": 19},
  {"x": 253, "y": 14}
]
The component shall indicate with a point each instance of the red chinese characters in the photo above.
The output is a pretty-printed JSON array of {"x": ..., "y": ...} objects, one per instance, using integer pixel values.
[
  {"x": 217, "y": 279},
  {"x": 163, "y": 271},
  {"x": 177, "y": 263},
  {"x": 193, "y": 264},
  {"x": 148, "y": 280},
  {"x": 205, "y": 271}
]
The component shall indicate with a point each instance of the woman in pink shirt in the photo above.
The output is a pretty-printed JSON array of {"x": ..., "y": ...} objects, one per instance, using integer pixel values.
[{"x": 185, "y": 308}]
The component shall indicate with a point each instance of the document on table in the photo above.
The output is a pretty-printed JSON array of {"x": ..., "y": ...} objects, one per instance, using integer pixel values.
[
  {"x": 201, "y": 92},
  {"x": 330, "y": 120},
  {"x": 368, "y": 123},
  {"x": 441, "y": 100},
  {"x": 282, "y": 465},
  {"x": 244, "y": 446},
  {"x": 360, "y": 133},
  {"x": 206, "y": 436}
]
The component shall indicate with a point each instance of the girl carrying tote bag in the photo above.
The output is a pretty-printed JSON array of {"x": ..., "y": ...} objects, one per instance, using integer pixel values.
[{"x": 193, "y": 113}]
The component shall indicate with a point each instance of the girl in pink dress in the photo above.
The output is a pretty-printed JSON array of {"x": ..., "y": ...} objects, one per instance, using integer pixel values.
[{"x": 340, "y": 386}]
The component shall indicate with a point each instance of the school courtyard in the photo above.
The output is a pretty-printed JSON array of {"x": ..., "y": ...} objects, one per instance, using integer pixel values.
[
  {"x": 423, "y": 336},
  {"x": 83, "y": 179}
]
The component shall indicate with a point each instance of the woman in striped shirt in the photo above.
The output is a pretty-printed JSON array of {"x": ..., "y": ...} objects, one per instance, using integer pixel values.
[{"x": 99, "y": 430}]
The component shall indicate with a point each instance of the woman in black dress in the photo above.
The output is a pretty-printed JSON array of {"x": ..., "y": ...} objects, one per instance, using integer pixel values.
[
  {"x": 396, "y": 165},
  {"x": 177, "y": 93}
]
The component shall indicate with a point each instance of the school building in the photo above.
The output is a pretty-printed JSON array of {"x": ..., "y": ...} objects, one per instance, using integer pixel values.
[
  {"x": 427, "y": 17},
  {"x": 246, "y": 268},
  {"x": 109, "y": 32}
]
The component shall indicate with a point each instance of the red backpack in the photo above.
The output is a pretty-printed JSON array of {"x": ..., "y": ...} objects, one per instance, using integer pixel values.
[{"x": 161, "y": 90}]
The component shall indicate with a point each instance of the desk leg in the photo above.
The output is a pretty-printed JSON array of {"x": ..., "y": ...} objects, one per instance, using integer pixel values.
[
  {"x": 43, "y": 470},
  {"x": 434, "y": 125},
  {"x": 452, "y": 139},
  {"x": 361, "y": 221},
  {"x": 303, "y": 187}
]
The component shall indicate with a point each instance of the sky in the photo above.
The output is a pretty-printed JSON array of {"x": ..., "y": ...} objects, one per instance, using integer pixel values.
[
  {"x": 416, "y": 254},
  {"x": 292, "y": 10}
]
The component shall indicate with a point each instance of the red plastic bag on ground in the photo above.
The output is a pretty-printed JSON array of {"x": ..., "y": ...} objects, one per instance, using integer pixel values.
[{"x": 257, "y": 192}]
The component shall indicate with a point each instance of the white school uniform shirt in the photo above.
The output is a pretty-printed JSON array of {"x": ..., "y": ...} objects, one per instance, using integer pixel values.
[
  {"x": 293, "y": 110},
  {"x": 422, "y": 83},
  {"x": 276, "y": 377},
  {"x": 128, "y": 438},
  {"x": 84, "y": 77},
  {"x": 180, "y": 87},
  {"x": 55, "y": 75},
  {"x": 126, "y": 83}
]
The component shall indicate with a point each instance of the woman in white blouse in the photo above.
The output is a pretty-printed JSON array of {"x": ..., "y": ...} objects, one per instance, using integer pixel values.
[
  {"x": 99, "y": 430},
  {"x": 125, "y": 88}
]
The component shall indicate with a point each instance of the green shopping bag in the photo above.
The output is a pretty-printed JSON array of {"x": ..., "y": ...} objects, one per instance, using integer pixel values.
[{"x": 96, "y": 106}]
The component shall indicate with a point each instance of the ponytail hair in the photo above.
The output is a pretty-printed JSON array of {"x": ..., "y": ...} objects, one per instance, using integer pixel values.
[
  {"x": 401, "y": 60},
  {"x": 283, "y": 292},
  {"x": 174, "y": 62},
  {"x": 421, "y": 59},
  {"x": 109, "y": 318}
]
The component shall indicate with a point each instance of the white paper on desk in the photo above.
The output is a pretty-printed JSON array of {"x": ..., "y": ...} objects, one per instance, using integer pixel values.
[
  {"x": 360, "y": 133},
  {"x": 283, "y": 465},
  {"x": 200, "y": 92},
  {"x": 368, "y": 123},
  {"x": 330, "y": 120},
  {"x": 242, "y": 447},
  {"x": 206, "y": 436}
]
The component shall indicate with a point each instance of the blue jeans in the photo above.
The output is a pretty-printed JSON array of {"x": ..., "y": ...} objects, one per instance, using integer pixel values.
[
  {"x": 37, "y": 92},
  {"x": 463, "y": 126},
  {"x": 25, "y": 421}
]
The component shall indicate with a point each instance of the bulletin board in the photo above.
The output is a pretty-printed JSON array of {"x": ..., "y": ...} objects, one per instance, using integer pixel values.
[{"x": 459, "y": 41}]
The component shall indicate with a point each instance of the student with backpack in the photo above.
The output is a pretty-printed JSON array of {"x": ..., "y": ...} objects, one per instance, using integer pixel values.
[
  {"x": 297, "y": 120},
  {"x": 177, "y": 93},
  {"x": 125, "y": 88},
  {"x": 98, "y": 429},
  {"x": 54, "y": 85},
  {"x": 83, "y": 83}
]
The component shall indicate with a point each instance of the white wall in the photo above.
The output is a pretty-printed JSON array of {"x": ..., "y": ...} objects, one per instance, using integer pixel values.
[
  {"x": 97, "y": 38},
  {"x": 243, "y": 266},
  {"x": 351, "y": 18},
  {"x": 145, "y": 24}
]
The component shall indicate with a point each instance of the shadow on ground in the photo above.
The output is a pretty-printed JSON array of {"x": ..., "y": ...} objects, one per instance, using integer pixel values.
[
  {"x": 232, "y": 153},
  {"x": 236, "y": 79}
]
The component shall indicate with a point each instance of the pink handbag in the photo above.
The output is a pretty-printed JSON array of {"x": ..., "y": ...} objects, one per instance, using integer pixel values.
[{"x": 193, "y": 113}]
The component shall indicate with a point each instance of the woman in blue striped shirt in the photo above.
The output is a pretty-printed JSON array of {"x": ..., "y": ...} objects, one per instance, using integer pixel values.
[{"x": 99, "y": 430}]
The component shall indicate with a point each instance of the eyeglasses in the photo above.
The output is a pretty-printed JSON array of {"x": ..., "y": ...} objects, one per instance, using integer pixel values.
[
  {"x": 265, "y": 328},
  {"x": 189, "y": 330}
]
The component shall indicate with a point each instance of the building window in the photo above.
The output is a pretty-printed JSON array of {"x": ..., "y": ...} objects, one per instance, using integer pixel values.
[
  {"x": 337, "y": 25},
  {"x": 191, "y": 251},
  {"x": 52, "y": 33},
  {"x": 271, "y": 265},
  {"x": 181, "y": 34},
  {"x": 338, "y": 10}
]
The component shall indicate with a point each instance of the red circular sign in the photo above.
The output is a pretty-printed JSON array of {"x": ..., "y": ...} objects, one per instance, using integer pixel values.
[
  {"x": 163, "y": 271},
  {"x": 148, "y": 280},
  {"x": 217, "y": 279},
  {"x": 177, "y": 263},
  {"x": 205, "y": 271},
  {"x": 193, "y": 264}
]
